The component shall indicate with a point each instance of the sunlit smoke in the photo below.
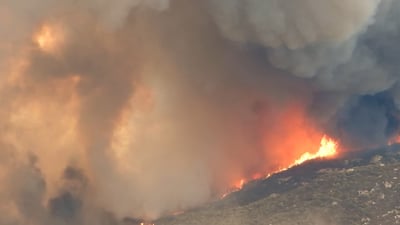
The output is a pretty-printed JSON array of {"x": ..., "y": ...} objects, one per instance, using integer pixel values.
[{"x": 48, "y": 38}]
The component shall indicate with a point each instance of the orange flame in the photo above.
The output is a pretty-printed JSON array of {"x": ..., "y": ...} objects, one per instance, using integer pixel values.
[
  {"x": 239, "y": 185},
  {"x": 394, "y": 140},
  {"x": 328, "y": 149}
]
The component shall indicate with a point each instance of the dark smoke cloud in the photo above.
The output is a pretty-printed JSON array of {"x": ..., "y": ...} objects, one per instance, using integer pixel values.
[
  {"x": 141, "y": 108},
  {"x": 67, "y": 204},
  {"x": 367, "y": 120}
]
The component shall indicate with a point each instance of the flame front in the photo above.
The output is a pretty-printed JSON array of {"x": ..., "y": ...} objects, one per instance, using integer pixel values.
[
  {"x": 328, "y": 149},
  {"x": 394, "y": 140},
  {"x": 239, "y": 185}
]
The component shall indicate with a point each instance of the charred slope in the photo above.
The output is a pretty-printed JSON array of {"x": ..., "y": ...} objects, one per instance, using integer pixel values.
[{"x": 361, "y": 189}]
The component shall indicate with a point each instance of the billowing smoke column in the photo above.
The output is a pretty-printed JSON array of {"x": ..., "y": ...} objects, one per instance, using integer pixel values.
[
  {"x": 115, "y": 109},
  {"x": 342, "y": 48}
]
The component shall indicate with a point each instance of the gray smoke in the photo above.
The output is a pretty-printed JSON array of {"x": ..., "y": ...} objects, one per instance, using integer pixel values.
[
  {"x": 112, "y": 110},
  {"x": 310, "y": 39}
]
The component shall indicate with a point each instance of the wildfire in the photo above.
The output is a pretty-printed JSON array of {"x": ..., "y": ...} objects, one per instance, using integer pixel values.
[
  {"x": 394, "y": 140},
  {"x": 239, "y": 185},
  {"x": 328, "y": 149}
]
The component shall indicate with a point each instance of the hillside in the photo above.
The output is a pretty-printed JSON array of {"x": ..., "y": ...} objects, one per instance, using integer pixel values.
[{"x": 361, "y": 189}]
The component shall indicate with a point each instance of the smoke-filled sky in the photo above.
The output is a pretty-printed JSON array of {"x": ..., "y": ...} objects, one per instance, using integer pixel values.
[{"x": 140, "y": 108}]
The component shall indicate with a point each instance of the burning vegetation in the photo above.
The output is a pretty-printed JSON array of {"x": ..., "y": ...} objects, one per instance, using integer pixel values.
[
  {"x": 328, "y": 150},
  {"x": 136, "y": 109}
]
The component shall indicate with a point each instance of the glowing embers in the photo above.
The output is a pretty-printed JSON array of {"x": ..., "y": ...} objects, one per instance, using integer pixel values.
[
  {"x": 49, "y": 38},
  {"x": 327, "y": 149}
]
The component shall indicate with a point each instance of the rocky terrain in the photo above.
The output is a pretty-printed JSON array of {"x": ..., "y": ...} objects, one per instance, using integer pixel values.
[{"x": 361, "y": 189}]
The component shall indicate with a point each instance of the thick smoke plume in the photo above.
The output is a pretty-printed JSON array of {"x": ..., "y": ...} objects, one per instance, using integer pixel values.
[{"x": 136, "y": 109}]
